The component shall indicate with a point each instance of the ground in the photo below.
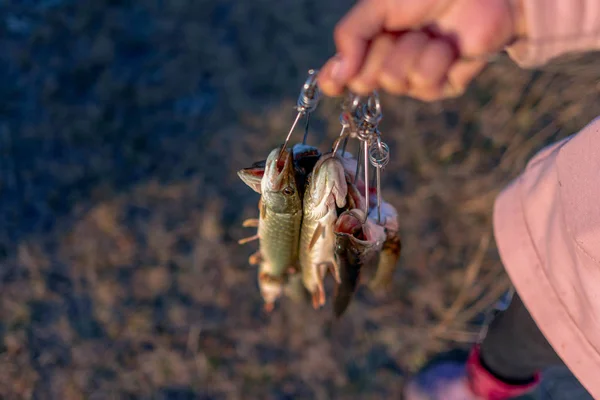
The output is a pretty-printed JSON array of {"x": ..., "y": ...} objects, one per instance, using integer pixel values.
[{"x": 122, "y": 127}]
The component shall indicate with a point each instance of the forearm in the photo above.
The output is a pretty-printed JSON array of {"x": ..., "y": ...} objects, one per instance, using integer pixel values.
[{"x": 555, "y": 27}]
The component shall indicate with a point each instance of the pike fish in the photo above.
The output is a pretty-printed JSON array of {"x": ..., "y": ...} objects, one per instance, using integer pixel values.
[
  {"x": 357, "y": 246},
  {"x": 390, "y": 253},
  {"x": 278, "y": 224},
  {"x": 327, "y": 191}
]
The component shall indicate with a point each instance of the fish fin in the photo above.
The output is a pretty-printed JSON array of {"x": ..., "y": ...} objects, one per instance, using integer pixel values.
[
  {"x": 251, "y": 223},
  {"x": 315, "y": 236},
  {"x": 340, "y": 189},
  {"x": 248, "y": 239},
  {"x": 315, "y": 300},
  {"x": 334, "y": 270},
  {"x": 252, "y": 177},
  {"x": 320, "y": 211},
  {"x": 268, "y": 307},
  {"x": 262, "y": 208},
  {"x": 255, "y": 258}
]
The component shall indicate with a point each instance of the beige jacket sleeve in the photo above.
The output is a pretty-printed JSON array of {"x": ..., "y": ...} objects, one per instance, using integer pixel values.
[{"x": 555, "y": 28}]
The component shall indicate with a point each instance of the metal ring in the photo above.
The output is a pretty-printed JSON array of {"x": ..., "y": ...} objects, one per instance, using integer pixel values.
[
  {"x": 310, "y": 94},
  {"x": 379, "y": 153},
  {"x": 372, "y": 109}
]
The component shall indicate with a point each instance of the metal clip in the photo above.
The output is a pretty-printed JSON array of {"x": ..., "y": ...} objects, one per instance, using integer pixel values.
[{"x": 309, "y": 97}]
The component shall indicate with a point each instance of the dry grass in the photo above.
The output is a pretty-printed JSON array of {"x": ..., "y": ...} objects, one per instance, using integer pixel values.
[{"x": 122, "y": 131}]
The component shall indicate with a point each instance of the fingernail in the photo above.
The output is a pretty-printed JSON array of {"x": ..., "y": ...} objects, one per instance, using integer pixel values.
[{"x": 338, "y": 70}]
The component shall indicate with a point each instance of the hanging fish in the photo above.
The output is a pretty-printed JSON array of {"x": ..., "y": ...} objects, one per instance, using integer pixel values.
[
  {"x": 392, "y": 246},
  {"x": 278, "y": 225},
  {"x": 358, "y": 243},
  {"x": 326, "y": 192}
]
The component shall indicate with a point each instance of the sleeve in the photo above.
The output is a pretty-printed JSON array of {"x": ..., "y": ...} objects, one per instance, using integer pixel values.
[
  {"x": 547, "y": 230},
  {"x": 555, "y": 28}
]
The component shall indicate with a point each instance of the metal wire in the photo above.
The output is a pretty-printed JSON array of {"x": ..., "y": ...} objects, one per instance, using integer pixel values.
[
  {"x": 379, "y": 156},
  {"x": 309, "y": 97},
  {"x": 306, "y": 129}
]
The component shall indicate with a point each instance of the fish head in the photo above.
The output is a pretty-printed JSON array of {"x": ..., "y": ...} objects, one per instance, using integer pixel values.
[
  {"x": 357, "y": 238},
  {"x": 252, "y": 176},
  {"x": 279, "y": 188},
  {"x": 328, "y": 187},
  {"x": 351, "y": 242}
]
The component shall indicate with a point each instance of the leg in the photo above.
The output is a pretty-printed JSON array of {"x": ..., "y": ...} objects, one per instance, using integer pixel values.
[{"x": 514, "y": 349}]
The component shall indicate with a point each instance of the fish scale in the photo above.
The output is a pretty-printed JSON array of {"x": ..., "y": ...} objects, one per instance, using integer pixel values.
[{"x": 279, "y": 234}]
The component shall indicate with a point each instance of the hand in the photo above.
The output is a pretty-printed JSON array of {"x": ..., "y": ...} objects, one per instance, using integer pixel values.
[{"x": 428, "y": 49}]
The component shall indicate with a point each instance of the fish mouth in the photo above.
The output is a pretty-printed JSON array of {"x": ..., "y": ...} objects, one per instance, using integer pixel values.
[
  {"x": 351, "y": 223},
  {"x": 279, "y": 167}
]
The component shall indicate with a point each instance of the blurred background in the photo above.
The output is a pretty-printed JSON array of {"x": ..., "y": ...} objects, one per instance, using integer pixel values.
[{"x": 122, "y": 126}]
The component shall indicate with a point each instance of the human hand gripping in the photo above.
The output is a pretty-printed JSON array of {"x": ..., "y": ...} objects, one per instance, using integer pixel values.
[{"x": 427, "y": 49}]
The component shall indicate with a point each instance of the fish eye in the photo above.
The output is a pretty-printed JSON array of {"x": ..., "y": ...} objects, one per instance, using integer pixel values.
[{"x": 288, "y": 191}]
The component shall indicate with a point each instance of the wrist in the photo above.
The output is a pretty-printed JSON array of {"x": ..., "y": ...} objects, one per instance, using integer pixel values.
[{"x": 485, "y": 385}]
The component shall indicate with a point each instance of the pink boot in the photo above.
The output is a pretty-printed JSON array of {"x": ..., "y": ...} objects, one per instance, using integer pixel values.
[{"x": 455, "y": 381}]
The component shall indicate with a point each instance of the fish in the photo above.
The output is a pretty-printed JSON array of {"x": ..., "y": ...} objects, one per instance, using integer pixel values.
[
  {"x": 278, "y": 225},
  {"x": 359, "y": 241},
  {"x": 391, "y": 250},
  {"x": 305, "y": 158},
  {"x": 326, "y": 192},
  {"x": 390, "y": 254}
]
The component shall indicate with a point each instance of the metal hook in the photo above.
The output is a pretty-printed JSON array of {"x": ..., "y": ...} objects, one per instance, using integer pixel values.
[
  {"x": 365, "y": 146},
  {"x": 306, "y": 128},
  {"x": 344, "y": 120},
  {"x": 379, "y": 156},
  {"x": 307, "y": 102}
]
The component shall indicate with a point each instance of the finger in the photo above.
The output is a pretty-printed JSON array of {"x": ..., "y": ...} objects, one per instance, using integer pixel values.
[
  {"x": 460, "y": 75},
  {"x": 352, "y": 35},
  {"x": 406, "y": 52},
  {"x": 427, "y": 94},
  {"x": 392, "y": 15},
  {"x": 433, "y": 65},
  {"x": 328, "y": 85},
  {"x": 379, "y": 50}
]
